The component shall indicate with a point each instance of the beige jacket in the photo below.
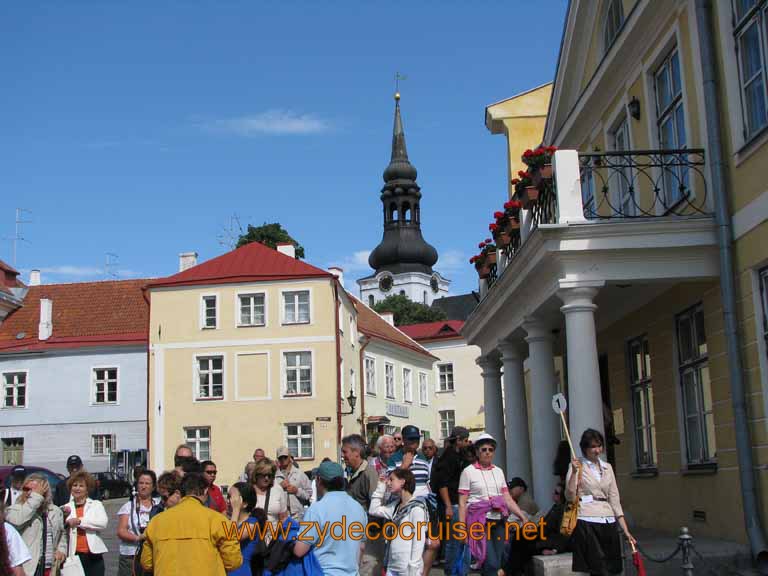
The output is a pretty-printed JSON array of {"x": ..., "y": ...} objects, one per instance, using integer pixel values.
[
  {"x": 603, "y": 488},
  {"x": 27, "y": 519}
]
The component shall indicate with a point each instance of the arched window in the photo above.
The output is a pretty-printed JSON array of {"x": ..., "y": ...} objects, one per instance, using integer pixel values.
[
  {"x": 405, "y": 212},
  {"x": 425, "y": 297},
  {"x": 416, "y": 213},
  {"x": 402, "y": 292},
  {"x": 392, "y": 212},
  {"x": 613, "y": 18},
  {"x": 370, "y": 300}
]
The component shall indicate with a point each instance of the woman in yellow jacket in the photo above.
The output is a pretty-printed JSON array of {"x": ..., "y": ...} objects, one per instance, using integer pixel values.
[{"x": 190, "y": 538}]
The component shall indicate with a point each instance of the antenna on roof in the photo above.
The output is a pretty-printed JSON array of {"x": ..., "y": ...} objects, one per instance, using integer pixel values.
[
  {"x": 230, "y": 234},
  {"x": 110, "y": 262},
  {"x": 18, "y": 235}
]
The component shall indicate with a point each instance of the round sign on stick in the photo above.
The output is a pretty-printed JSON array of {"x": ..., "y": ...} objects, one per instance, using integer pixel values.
[{"x": 559, "y": 404}]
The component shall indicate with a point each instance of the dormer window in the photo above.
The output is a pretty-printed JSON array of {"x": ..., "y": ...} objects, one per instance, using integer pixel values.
[{"x": 612, "y": 22}]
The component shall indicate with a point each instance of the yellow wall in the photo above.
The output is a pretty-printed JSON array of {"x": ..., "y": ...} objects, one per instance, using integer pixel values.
[{"x": 239, "y": 424}]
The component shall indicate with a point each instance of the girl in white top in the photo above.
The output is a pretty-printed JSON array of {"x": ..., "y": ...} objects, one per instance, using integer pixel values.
[
  {"x": 132, "y": 519},
  {"x": 404, "y": 553}
]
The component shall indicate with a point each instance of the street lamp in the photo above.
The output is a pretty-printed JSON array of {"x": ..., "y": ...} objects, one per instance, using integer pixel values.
[{"x": 352, "y": 400}]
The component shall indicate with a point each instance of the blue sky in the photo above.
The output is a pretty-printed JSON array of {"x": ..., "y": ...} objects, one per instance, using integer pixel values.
[{"x": 140, "y": 129}]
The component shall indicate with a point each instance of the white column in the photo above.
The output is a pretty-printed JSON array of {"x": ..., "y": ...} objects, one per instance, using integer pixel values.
[
  {"x": 567, "y": 173},
  {"x": 585, "y": 400},
  {"x": 546, "y": 424},
  {"x": 494, "y": 410},
  {"x": 515, "y": 412}
]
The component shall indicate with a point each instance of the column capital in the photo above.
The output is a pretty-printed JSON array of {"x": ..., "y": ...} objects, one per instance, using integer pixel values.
[
  {"x": 490, "y": 365},
  {"x": 578, "y": 299},
  {"x": 537, "y": 330},
  {"x": 511, "y": 350}
]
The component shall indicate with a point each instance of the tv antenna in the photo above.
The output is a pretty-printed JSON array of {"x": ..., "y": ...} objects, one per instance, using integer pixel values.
[
  {"x": 18, "y": 235},
  {"x": 110, "y": 261},
  {"x": 230, "y": 233}
]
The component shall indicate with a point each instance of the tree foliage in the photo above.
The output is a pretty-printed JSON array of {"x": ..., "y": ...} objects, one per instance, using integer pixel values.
[
  {"x": 408, "y": 312},
  {"x": 270, "y": 235}
]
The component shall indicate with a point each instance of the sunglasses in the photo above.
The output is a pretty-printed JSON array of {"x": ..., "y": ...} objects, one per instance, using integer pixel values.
[
  {"x": 26, "y": 489},
  {"x": 265, "y": 476},
  {"x": 211, "y": 472},
  {"x": 487, "y": 449}
]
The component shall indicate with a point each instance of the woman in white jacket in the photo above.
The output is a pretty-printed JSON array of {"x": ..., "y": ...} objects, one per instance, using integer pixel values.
[
  {"x": 405, "y": 548},
  {"x": 86, "y": 518}
]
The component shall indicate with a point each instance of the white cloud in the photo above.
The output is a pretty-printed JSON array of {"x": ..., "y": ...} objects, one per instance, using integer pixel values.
[
  {"x": 451, "y": 261},
  {"x": 275, "y": 121},
  {"x": 66, "y": 270},
  {"x": 354, "y": 266},
  {"x": 72, "y": 273}
]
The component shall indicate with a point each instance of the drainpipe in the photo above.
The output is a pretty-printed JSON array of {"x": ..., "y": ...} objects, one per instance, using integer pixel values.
[
  {"x": 364, "y": 341},
  {"x": 717, "y": 166},
  {"x": 337, "y": 301}
]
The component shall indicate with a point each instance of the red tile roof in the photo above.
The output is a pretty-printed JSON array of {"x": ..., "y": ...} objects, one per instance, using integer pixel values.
[
  {"x": 9, "y": 278},
  {"x": 374, "y": 326},
  {"x": 252, "y": 262},
  {"x": 84, "y": 314},
  {"x": 443, "y": 330}
]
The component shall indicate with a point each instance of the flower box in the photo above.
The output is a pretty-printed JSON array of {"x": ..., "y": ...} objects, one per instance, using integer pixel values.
[
  {"x": 546, "y": 171},
  {"x": 529, "y": 197},
  {"x": 511, "y": 226},
  {"x": 483, "y": 268},
  {"x": 490, "y": 257},
  {"x": 503, "y": 239}
]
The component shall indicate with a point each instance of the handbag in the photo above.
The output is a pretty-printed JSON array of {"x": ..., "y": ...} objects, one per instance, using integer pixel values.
[
  {"x": 571, "y": 513},
  {"x": 72, "y": 565}
]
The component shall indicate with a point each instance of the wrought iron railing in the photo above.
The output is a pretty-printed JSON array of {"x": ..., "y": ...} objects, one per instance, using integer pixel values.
[
  {"x": 643, "y": 183},
  {"x": 544, "y": 211},
  {"x": 493, "y": 275}
]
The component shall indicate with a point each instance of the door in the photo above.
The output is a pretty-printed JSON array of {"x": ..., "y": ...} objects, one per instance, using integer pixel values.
[
  {"x": 13, "y": 451},
  {"x": 605, "y": 390}
]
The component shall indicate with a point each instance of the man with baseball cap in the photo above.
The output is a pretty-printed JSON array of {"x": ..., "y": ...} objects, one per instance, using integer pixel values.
[
  {"x": 412, "y": 460},
  {"x": 339, "y": 554},
  {"x": 294, "y": 482},
  {"x": 445, "y": 482},
  {"x": 61, "y": 494},
  {"x": 18, "y": 473}
]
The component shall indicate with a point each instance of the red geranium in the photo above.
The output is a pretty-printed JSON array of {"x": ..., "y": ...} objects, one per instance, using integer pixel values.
[
  {"x": 512, "y": 205},
  {"x": 498, "y": 215},
  {"x": 481, "y": 245},
  {"x": 493, "y": 226},
  {"x": 488, "y": 241}
]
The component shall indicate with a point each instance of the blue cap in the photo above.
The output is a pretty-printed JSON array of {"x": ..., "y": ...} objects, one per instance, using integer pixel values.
[{"x": 330, "y": 471}]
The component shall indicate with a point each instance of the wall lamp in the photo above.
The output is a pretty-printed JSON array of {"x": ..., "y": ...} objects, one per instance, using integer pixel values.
[{"x": 634, "y": 108}]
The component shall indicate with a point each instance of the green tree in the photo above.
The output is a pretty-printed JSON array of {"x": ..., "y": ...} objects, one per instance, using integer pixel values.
[
  {"x": 270, "y": 235},
  {"x": 408, "y": 312}
]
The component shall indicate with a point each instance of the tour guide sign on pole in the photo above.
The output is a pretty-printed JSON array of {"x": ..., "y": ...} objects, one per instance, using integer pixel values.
[{"x": 559, "y": 405}]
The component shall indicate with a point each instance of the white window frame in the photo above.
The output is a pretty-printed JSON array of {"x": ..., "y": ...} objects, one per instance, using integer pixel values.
[
  {"x": 104, "y": 453},
  {"x": 299, "y": 436},
  {"x": 642, "y": 381},
  {"x": 196, "y": 441},
  {"x": 196, "y": 377},
  {"x": 423, "y": 389},
  {"x": 283, "y": 320},
  {"x": 760, "y": 299},
  {"x": 94, "y": 387},
  {"x": 389, "y": 381},
  {"x": 444, "y": 419},
  {"x": 452, "y": 388},
  {"x": 619, "y": 137},
  {"x": 266, "y": 353},
  {"x": 203, "y": 297},
  {"x": 15, "y": 386},
  {"x": 610, "y": 7},
  {"x": 371, "y": 386},
  {"x": 407, "y": 385},
  {"x": 758, "y": 16},
  {"x": 251, "y": 293},
  {"x": 352, "y": 330},
  {"x": 284, "y": 374}
]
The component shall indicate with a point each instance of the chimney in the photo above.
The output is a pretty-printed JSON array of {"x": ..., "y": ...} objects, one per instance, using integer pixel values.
[
  {"x": 34, "y": 277},
  {"x": 287, "y": 248},
  {"x": 338, "y": 272},
  {"x": 389, "y": 317},
  {"x": 187, "y": 260},
  {"x": 45, "y": 329}
]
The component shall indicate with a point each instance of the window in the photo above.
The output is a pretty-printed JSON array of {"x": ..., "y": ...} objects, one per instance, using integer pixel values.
[
  {"x": 371, "y": 301},
  {"x": 370, "y": 376},
  {"x": 209, "y": 312},
  {"x": 200, "y": 441},
  {"x": 352, "y": 330},
  {"x": 446, "y": 377},
  {"x": 423, "y": 389},
  {"x": 298, "y": 373},
  {"x": 614, "y": 18},
  {"x": 252, "y": 310},
  {"x": 447, "y": 422},
  {"x": 296, "y": 307},
  {"x": 15, "y": 389},
  {"x": 105, "y": 385},
  {"x": 407, "y": 385},
  {"x": 670, "y": 120},
  {"x": 764, "y": 300},
  {"x": 696, "y": 394},
  {"x": 750, "y": 29},
  {"x": 623, "y": 202},
  {"x": 639, "y": 360},
  {"x": 300, "y": 441},
  {"x": 389, "y": 380},
  {"x": 102, "y": 444},
  {"x": 210, "y": 374},
  {"x": 588, "y": 191}
]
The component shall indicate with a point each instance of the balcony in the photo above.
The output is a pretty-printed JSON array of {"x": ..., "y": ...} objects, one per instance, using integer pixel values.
[{"x": 610, "y": 188}]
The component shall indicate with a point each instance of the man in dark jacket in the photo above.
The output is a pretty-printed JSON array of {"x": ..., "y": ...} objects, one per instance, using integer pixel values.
[
  {"x": 444, "y": 481},
  {"x": 61, "y": 494}
]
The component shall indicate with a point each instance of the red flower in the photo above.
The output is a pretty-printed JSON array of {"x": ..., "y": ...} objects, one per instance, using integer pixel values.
[
  {"x": 551, "y": 149},
  {"x": 473, "y": 259},
  {"x": 514, "y": 182},
  {"x": 524, "y": 175},
  {"x": 488, "y": 241},
  {"x": 498, "y": 215},
  {"x": 512, "y": 205},
  {"x": 493, "y": 226},
  {"x": 527, "y": 153},
  {"x": 481, "y": 245}
]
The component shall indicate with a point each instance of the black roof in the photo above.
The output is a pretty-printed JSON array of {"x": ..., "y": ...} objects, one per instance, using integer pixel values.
[{"x": 457, "y": 307}]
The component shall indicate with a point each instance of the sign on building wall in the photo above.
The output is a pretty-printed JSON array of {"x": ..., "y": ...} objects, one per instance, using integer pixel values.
[{"x": 399, "y": 410}]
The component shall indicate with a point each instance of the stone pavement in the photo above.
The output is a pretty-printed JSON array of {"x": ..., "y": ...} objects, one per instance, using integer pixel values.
[{"x": 110, "y": 535}]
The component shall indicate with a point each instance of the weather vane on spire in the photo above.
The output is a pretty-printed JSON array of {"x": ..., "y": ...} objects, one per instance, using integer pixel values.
[{"x": 398, "y": 78}]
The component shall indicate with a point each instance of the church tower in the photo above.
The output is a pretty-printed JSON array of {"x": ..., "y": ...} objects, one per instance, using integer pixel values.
[{"x": 403, "y": 260}]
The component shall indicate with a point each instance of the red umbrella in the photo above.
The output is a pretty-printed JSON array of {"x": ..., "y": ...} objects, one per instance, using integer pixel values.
[{"x": 637, "y": 560}]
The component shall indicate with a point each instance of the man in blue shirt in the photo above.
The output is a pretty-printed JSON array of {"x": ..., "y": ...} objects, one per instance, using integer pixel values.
[
  {"x": 411, "y": 460},
  {"x": 337, "y": 549}
]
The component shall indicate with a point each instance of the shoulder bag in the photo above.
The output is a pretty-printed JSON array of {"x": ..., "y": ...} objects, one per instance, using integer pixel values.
[
  {"x": 571, "y": 513},
  {"x": 72, "y": 565}
]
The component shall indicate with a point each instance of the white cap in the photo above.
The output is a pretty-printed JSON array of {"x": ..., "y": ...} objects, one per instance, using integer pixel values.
[{"x": 485, "y": 437}]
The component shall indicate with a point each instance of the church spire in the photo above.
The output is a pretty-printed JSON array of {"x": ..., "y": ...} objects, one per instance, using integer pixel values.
[{"x": 399, "y": 167}]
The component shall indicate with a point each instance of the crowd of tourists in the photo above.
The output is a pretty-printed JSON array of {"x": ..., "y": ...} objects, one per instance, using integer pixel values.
[{"x": 415, "y": 506}]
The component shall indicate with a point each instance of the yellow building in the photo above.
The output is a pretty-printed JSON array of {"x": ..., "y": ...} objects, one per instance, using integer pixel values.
[{"x": 644, "y": 263}]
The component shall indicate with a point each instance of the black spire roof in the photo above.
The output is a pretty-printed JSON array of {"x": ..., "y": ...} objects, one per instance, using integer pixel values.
[{"x": 402, "y": 249}]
